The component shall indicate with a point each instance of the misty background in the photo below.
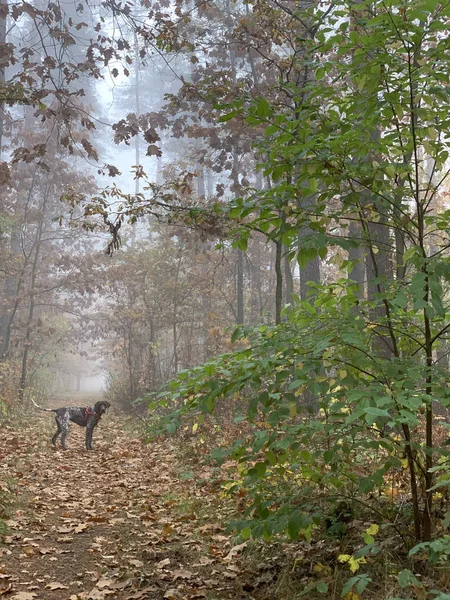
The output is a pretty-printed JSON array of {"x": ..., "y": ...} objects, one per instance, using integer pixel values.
[{"x": 102, "y": 93}]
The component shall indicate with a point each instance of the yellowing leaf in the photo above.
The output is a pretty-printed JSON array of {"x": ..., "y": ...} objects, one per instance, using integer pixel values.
[
  {"x": 322, "y": 570},
  {"x": 353, "y": 563},
  {"x": 373, "y": 529}
]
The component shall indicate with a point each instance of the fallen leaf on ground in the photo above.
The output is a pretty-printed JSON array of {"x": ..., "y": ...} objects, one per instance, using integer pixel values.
[
  {"x": 104, "y": 583},
  {"x": 182, "y": 574},
  {"x": 172, "y": 595},
  {"x": 163, "y": 563},
  {"x": 5, "y": 587},
  {"x": 64, "y": 529},
  {"x": 235, "y": 550},
  {"x": 97, "y": 594},
  {"x": 136, "y": 563},
  {"x": 56, "y": 586}
]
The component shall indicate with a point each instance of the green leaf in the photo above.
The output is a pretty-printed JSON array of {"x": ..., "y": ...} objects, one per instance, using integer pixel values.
[
  {"x": 296, "y": 523},
  {"x": 349, "y": 584},
  {"x": 373, "y": 411},
  {"x": 237, "y": 334},
  {"x": 262, "y": 108},
  {"x": 406, "y": 578},
  {"x": 322, "y": 587},
  {"x": 313, "y": 185},
  {"x": 228, "y": 117}
]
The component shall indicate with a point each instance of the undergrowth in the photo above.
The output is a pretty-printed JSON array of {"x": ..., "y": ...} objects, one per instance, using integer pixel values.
[{"x": 348, "y": 554}]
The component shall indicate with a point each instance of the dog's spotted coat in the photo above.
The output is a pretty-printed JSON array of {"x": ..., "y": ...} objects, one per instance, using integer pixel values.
[{"x": 88, "y": 417}]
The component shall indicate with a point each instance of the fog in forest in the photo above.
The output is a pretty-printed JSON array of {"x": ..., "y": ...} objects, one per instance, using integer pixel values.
[
  {"x": 230, "y": 221},
  {"x": 148, "y": 205},
  {"x": 111, "y": 120}
]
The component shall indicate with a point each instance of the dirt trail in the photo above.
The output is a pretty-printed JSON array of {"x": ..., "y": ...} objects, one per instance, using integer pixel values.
[{"x": 113, "y": 523}]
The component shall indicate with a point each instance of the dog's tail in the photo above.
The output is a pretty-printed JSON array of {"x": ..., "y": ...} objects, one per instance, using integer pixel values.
[{"x": 42, "y": 408}]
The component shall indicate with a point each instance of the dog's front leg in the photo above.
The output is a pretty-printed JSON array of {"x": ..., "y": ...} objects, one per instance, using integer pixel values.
[{"x": 89, "y": 431}]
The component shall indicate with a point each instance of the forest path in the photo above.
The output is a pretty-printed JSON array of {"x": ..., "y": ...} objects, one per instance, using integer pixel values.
[{"x": 118, "y": 522}]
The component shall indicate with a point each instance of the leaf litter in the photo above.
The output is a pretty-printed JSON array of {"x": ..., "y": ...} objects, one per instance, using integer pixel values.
[{"x": 114, "y": 523}]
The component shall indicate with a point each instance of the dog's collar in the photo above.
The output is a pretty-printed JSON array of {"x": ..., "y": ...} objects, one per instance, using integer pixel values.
[{"x": 89, "y": 412}]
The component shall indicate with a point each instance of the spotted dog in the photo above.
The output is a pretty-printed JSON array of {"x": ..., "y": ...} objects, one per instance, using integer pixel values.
[{"x": 86, "y": 416}]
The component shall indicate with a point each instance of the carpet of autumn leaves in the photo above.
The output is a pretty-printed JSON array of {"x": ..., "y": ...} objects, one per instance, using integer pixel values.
[{"x": 118, "y": 522}]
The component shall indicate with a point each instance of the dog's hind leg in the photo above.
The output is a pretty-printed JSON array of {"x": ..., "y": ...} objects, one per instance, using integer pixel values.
[
  {"x": 65, "y": 429},
  {"x": 62, "y": 422},
  {"x": 58, "y": 431}
]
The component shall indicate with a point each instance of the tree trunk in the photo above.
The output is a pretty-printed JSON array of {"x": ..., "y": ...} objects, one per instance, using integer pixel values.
[
  {"x": 357, "y": 272},
  {"x": 10, "y": 300},
  {"x": 3, "y": 15},
  {"x": 288, "y": 277},
  {"x": 279, "y": 281},
  {"x": 137, "y": 108},
  {"x": 30, "y": 318},
  {"x": 240, "y": 287},
  {"x": 256, "y": 308}
]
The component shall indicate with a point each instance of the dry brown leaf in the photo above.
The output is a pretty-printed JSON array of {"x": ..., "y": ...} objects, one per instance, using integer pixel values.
[
  {"x": 24, "y": 596},
  {"x": 12, "y": 524},
  {"x": 235, "y": 550},
  {"x": 9, "y": 539},
  {"x": 229, "y": 575},
  {"x": 163, "y": 563},
  {"x": 56, "y": 586},
  {"x": 204, "y": 560},
  {"x": 182, "y": 574},
  {"x": 142, "y": 594},
  {"x": 64, "y": 529},
  {"x": 103, "y": 583},
  {"x": 233, "y": 568},
  {"x": 136, "y": 563},
  {"x": 97, "y": 594},
  {"x": 172, "y": 595},
  {"x": 5, "y": 587}
]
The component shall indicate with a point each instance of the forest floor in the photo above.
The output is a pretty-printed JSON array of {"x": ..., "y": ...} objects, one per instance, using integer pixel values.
[{"x": 124, "y": 521}]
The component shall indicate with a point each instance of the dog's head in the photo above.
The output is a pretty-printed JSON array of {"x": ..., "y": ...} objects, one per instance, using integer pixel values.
[{"x": 101, "y": 407}]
